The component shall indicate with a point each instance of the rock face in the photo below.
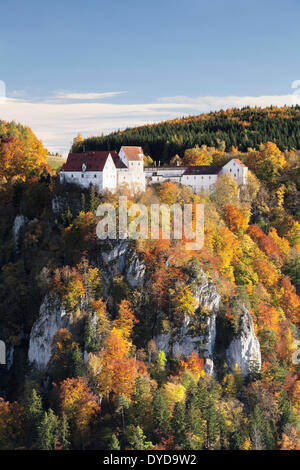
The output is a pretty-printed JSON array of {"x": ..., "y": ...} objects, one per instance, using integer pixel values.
[
  {"x": 244, "y": 349},
  {"x": 19, "y": 222},
  {"x": 69, "y": 200},
  {"x": 52, "y": 317},
  {"x": 120, "y": 257},
  {"x": 184, "y": 342}
]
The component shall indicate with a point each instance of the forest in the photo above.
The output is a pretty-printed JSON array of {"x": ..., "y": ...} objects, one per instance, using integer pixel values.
[
  {"x": 107, "y": 384},
  {"x": 243, "y": 129}
]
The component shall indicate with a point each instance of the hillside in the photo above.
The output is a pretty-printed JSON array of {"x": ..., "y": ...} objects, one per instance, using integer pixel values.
[
  {"x": 22, "y": 155},
  {"x": 244, "y": 128},
  {"x": 142, "y": 344}
]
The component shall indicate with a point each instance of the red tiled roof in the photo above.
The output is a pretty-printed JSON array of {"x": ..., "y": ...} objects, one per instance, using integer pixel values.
[
  {"x": 132, "y": 153},
  {"x": 239, "y": 161},
  {"x": 94, "y": 161}
]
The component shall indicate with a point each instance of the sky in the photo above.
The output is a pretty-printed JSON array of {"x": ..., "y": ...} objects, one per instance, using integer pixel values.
[{"x": 96, "y": 66}]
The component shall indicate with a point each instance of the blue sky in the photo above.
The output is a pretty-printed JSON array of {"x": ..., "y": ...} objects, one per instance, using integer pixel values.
[{"x": 93, "y": 66}]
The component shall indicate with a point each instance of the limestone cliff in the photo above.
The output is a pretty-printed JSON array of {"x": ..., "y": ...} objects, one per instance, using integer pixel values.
[
  {"x": 52, "y": 317},
  {"x": 19, "y": 222},
  {"x": 242, "y": 347}
]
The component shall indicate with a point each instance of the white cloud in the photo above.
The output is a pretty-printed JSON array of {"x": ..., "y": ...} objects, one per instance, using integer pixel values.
[
  {"x": 87, "y": 96},
  {"x": 224, "y": 102},
  {"x": 56, "y": 123}
]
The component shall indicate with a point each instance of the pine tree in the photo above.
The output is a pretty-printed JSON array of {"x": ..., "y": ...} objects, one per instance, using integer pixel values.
[
  {"x": 178, "y": 424},
  {"x": 161, "y": 415},
  {"x": 63, "y": 433},
  {"x": 47, "y": 431},
  {"x": 137, "y": 439},
  {"x": 33, "y": 416},
  {"x": 93, "y": 200},
  {"x": 114, "y": 443},
  {"x": 77, "y": 362}
]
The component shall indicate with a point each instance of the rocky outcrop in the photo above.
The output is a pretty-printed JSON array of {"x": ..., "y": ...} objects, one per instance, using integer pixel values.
[
  {"x": 244, "y": 349},
  {"x": 67, "y": 201},
  {"x": 52, "y": 317},
  {"x": 10, "y": 356},
  {"x": 19, "y": 222},
  {"x": 119, "y": 257},
  {"x": 183, "y": 343}
]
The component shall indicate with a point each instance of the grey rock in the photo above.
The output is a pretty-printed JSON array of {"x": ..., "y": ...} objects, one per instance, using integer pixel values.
[
  {"x": 19, "y": 222},
  {"x": 52, "y": 317},
  {"x": 244, "y": 349}
]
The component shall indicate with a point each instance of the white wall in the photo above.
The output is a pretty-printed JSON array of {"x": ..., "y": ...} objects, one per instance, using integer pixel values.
[
  {"x": 238, "y": 171},
  {"x": 135, "y": 180},
  {"x": 135, "y": 177},
  {"x": 199, "y": 182},
  {"x": 109, "y": 175},
  {"x": 83, "y": 179}
]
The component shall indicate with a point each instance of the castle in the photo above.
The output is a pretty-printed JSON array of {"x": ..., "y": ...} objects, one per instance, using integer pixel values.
[{"x": 109, "y": 170}]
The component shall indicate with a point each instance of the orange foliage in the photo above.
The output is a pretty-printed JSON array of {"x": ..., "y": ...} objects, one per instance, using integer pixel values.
[
  {"x": 125, "y": 320},
  {"x": 79, "y": 404},
  {"x": 117, "y": 371},
  {"x": 11, "y": 424},
  {"x": 20, "y": 157},
  {"x": 235, "y": 219},
  {"x": 290, "y": 441},
  {"x": 194, "y": 363},
  {"x": 265, "y": 242},
  {"x": 268, "y": 317},
  {"x": 290, "y": 301},
  {"x": 267, "y": 274}
]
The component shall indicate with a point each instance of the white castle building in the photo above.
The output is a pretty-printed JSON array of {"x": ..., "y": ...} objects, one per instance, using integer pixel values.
[{"x": 107, "y": 170}]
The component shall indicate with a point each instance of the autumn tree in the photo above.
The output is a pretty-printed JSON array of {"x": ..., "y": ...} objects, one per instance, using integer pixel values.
[
  {"x": 125, "y": 320},
  {"x": 11, "y": 425},
  {"x": 194, "y": 364},
  {"x": 66, "y": 358},
  {"x": 267, "y": 163},
  {"x": 290, "y": 301},
  {"x": 196, "y": 156},
  {"x": 113, "y": 370},
  {"x": 237, "y": 222},
  {"x": 80, "y": 406}
]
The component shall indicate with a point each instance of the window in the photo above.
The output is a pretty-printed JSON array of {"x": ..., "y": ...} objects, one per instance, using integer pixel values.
[
  {"x": 95, "y": 176},
  {"x": 82, "y": 176}
]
